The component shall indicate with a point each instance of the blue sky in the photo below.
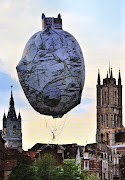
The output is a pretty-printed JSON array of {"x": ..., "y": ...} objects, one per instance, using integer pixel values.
[{"x": 98, "y": 26}]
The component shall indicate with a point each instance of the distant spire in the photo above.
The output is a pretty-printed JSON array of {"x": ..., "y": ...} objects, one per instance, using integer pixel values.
[
  {"x": 11, "y": 99},
  {"x": 107, "y": 74},
  {"x": 119, "y": 78},
  {"x": 4, "y": 120},
  {"x": 19, "y": 116},
  {"x": 59, "y": 16},
  {"x": 4, "y": 116},
  {"x": 98, "y": 80},
  {"x": 111, "y": 75}
]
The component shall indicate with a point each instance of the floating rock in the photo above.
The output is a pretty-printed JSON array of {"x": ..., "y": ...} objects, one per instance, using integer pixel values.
[{"x": 51, "y": 72}]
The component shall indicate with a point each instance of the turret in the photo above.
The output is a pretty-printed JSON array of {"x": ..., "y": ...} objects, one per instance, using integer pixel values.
[
  {"x": 19, "y": 116},
  {"x": 43, "y": 15},
  {"x": 111, "y": 75},
  {"x": 59, "y": 16},
  {"x": 11, "y": 100},
  {"x": 107, "y": 75},
  {"x": 4, "y": 121},
  {"x": 98, "y": 90},
  {"x": 119, "y": 78},
  {"x": 98, "y": 80}
]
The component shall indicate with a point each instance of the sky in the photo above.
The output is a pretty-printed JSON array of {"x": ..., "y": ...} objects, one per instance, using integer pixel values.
[{"x": 98, "y": 26}]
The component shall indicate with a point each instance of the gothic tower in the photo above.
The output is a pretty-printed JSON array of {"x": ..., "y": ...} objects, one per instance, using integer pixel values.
[
  {"x": 12, "y": 127},
  {"x": 109, "y": 109}
]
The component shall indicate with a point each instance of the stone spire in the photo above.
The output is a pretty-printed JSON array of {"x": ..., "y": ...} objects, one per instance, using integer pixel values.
[
  {"x": 11, "y": 112},
  {"x": 98, "y": 80},
  {"x": 11, "y": 99},
  {"x": 19, "y": 116},
  {"x": 119, "y": 78},
  {"x": 4, "y": 120},
  {"x": 107, "y": 74},
  {"x": 111, "y": 75}
]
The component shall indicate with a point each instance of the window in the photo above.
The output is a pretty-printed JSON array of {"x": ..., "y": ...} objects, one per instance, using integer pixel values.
[
  {"x": 14, "y": 129},
  {"x": 105, "y": 98},
  {"x": 102, "y": 119},
  {"x": 115, "y": 97},
  {"x": 86, "y": 163}
]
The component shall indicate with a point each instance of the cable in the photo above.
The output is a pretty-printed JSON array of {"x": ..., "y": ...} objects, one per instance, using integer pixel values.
[{"x": 57, "y": 128}]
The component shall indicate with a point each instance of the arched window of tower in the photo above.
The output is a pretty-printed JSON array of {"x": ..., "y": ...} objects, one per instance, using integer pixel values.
[
  {"x": 14, "y": 129},
  {"x": 102, "y": 119},
  {"x": 105, "y": 97},
  {"x": 115, "y": 97}
]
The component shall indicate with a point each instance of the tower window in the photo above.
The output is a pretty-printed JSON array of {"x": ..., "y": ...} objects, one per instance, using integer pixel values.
[
  {"x": 105, "y": 98},
  {"x": 14, "y": 129},
  {"x": 102, "y": 119},
  {"x": 115, "y": 97},
  {"x": 106, "y": 121}
]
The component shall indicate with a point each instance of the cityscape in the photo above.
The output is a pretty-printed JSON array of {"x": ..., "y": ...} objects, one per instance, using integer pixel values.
[{"x": 50, "y": 114}]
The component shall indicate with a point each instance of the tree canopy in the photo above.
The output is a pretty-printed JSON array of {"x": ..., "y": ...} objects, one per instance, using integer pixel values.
[
  {"x": 23, "y": 170},
  {"x": 46, "y": 169}
]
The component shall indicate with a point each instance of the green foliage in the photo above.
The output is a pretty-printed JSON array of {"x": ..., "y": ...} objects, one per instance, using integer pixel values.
[
  {"x": 68, "y": 171},
  {"x": 93, "y": 177},
  {"x": 23, "y": 172},
  {"x": 46, "y": 167},
  {"x": 86, "y": 176}
]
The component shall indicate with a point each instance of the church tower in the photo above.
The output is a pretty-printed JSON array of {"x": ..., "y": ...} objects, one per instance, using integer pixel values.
[
  {"x": 12, "y": 127},
  {"x": 109, "y": 109}
]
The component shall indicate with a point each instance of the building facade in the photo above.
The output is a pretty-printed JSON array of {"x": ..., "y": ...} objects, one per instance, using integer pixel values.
[
  {"x": 12, "y": 127},
  {"x": 109, "y": 110}
]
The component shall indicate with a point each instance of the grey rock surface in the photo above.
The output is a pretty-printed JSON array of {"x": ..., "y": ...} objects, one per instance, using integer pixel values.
[{"x": 52, "y": 72}]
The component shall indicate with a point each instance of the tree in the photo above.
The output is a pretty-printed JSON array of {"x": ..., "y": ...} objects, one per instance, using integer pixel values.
[
  {"x": 68, "y": 171},
  {"x": 93, "y": 177},
  {"x": 23, "y": 171},
  {"x": 86, "y": 176},
  {"x": 46, "y": 167}
]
